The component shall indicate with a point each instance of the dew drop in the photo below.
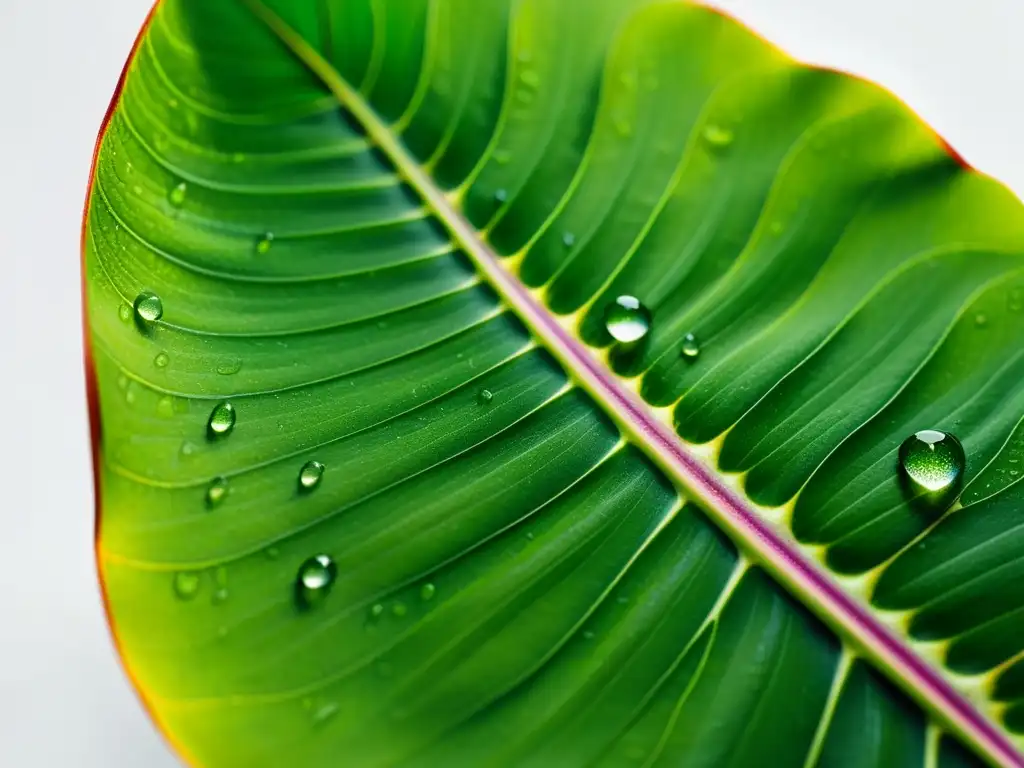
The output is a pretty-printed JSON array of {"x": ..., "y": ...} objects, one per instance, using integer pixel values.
[
  {"x": 1016, "y": 300},
  {"x": 264, "y": 244},
  {"x": 230, "y": 367},
  {"x": 980, "y": 320},
  {"x": 314, "y": 581},
  {"x": 222, "y": 419},
  {"x": 427, "y": 591},
  {"x": 177, "y": 195},
  {"x": 220, "y": 596},
  {"x": 485, "y": 396},
  {"x": 310, "y": 475},
  {"x": 148, "y": 307},
  {"x": 529, "y": 78},
  {"x": 399, "y": 609},
  {"x": 125, "y": 313},
  {"x": 627, "y": 320},
  {"x": 161, "y": 360},
  {"x": 718, "y": 137},
  {"x": 691, "y": 347},
  {"x": 376, "y": 611},
  {"x": 324, "y": 712},
  {"x": 502, "y": 157},
  {"x": 568, "y": 239},
  {"x": 933, "y": 463},
  {"x": 272, "y": 553},
  {"x": 165, "y": 407},
  {"x": 186, "y": 585},
  {"x": 216, "y": 492},
  {"x": 501, "y": 196}
]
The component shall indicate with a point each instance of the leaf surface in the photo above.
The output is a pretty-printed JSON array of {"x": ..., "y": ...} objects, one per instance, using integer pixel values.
[{"x": 385, "y": 236}]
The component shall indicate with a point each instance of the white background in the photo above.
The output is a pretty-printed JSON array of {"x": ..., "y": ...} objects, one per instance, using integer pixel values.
[{"x": 64, "y": 702}]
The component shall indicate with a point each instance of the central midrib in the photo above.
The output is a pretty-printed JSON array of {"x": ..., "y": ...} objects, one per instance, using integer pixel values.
[{"x": 763, "y": 543}]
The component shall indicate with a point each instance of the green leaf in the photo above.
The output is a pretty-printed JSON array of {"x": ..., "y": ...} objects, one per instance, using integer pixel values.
[{"x": 378, "y": 484}]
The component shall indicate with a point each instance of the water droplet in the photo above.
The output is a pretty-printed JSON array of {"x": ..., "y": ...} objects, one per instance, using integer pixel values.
[
  {"x": 186, "y": 585},
  {"x": 427, "y": 591},
  {"x": 314, "y": 581},
  {"x": 568, "y": 239},
  {"x": 718, "y": 137},
  {"x": 399, "y": 609},
  {"x": 376, "y": 611},
  {"x": 623, "y": 127},
  {"x": 776, "y": 228},
  {"x": 216, "y": 492},
  {"x": 502, "y": 157},
  {"x": 165, "y": 407},
  {"x": 691, "y": 347},
  {"x": 501, "y": 196},
  {"x": 161, "y": 360},
  {"x": 264, "y": 243},
  {"x": 627, "y": 320},
  {"x": 272, "y": 553},
  {"x": 529, "y": 78},
  {"x": 324, "y": 712},
  {"x": 125, "y": 313},
  {"x": 177, "y": 195},
  {"x": 148, "y": 307},
  {"x": 485, "y": 396},
  {"x": 230, "y": 367},
  {"x": 137, "y": 190},
  {"x": 588, "y": 634},
  {"x": 980, "y": 320},
  {"x": 222, "y": 419},
  {"x": 220, "y": 596},
  {"x": 238, "y": 157},
  {"x": 310, "y": 475},
  {"x": 933, "y": 463}
]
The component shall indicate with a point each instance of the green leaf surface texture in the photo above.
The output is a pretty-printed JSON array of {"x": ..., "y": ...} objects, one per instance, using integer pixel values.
[{"x": 348, "y": 265}]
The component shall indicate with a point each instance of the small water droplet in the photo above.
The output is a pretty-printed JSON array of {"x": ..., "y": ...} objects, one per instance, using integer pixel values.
[
  {"x": 238, "y": 157},
  {"x": 529, "y": 77},
  {"x": 314, "y": 581},
  {"x": 222, "y": 419},
  {"x": 148, "y": 307},
  {"x": 776, "y": 228},
  {"x": 623, "y": 127},
  {"x": 485, "y": 396},
  {"x": 1016, "y": 300},
  {"x": 264, "y": 244},
  {"x": 272, "y": 553},
  {"x": 324, "y": 712},
  {"x": 188, "y": 448},
  {"x": 220, "y": 596},
  {"x": 399, "y": 609},
  {"x": 137, "y": 190},
  {"x": 427, "y": 591},
  {"x": 933, "y": 462},
  {"x": 176, "y": 197},
  {"x": 568, "y": 239},
  {"x": 501, "y": 196},
  {"x": 502, "y": 157},
  {"x": 981, "y": 320},
  {"x": 165, "y": 407},
  {"x": 216, "y": 492},
  {"x": 691, "y": 347},
  {"x": 627, "y": 320},
  {"x": 588, "y": 634},
  {"x": 376, "y": 611},
  {"x": 718, "y": 137},
  {"x": 125, "y": 313},
  {"x": 161, "y": 360},
  {"x": 230, "y": 367},
  {"x": 310, "y": 475},
  {"x": 186, "y": 584}
]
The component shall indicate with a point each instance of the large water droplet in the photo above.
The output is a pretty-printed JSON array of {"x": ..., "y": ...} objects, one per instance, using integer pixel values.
[
  {"x": 691, "y": 347},
  {"x": 222, "y": 419},
  {"x": 148, "y": 307},
  {"x": 186, "y": 585},
  {"x": 314, "y": 581},
  {"x": 933, "y": 463},
  {"x": 310, "y": 475},
  {"x": 627, "y": 320},
  {"x": 216, "y": 492},
  {"x": 177, "y": 195}
]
